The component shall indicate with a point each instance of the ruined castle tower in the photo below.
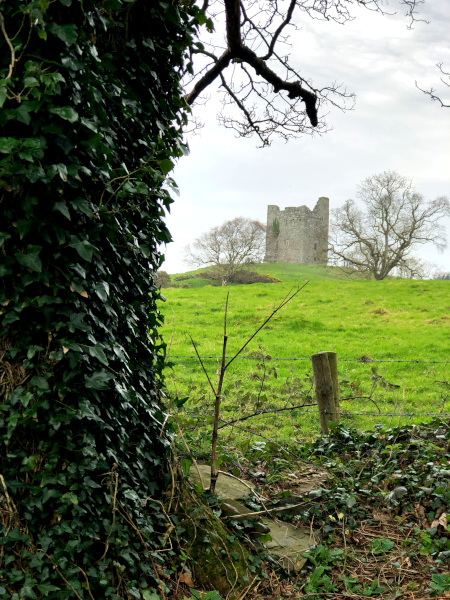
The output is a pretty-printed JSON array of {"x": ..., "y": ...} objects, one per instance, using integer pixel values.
[{"x": 298, "y": 234}]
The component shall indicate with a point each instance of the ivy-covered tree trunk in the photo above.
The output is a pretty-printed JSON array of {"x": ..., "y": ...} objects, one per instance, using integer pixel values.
[{"x": 90, "y": 118}]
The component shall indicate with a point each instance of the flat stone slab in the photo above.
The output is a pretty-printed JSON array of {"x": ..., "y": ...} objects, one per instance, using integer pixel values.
[
  {"x": 288, "y": 543},
  {"x": 227, "y": 488}
]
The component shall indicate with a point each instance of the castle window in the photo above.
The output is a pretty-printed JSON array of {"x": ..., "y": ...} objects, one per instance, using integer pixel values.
[{"x": 315, "y": 246}]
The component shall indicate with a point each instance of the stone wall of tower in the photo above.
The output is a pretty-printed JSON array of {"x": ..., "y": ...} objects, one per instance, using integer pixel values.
[{"x": 298, "y": 234}]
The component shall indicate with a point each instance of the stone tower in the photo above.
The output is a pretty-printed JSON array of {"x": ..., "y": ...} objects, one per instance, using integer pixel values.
[{"x": 298, "y": 234}]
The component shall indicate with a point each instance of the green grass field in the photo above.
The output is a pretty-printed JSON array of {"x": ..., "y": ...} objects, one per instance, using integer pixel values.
[{"x": 391, "y": 320}]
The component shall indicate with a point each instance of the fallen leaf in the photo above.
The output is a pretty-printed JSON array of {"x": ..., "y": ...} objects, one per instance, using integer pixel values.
[
  {"x": 84, "y": 294},
  {"x": 65, "y": 350},
  {"x": 441, "y": 521},
  {"x": 186, "y": 578}
]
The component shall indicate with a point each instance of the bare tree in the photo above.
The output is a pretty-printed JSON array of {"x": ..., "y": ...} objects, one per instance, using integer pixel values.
[
  {"x": 442, "y": 275},
  {"x": 381, "y": 236},
  {"x": 229, "y": 247},
  {"x": 246, "y": 48},
  {"x": 434, "y": 94}
]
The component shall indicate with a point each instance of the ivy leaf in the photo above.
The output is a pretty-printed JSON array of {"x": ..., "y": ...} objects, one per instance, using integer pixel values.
[
  {"x": 66, "y": 33},
  {"x": 65, "y": 112},
  {"x": 44, "y": 541},
  {"x": 380, "y": 545},
  {"x": 8, "y": 144},
  {"x": 148, "y": 595},
  {"x": 23, "y": 115},
  {"x": 84, "y": 248},
  {"x": 398, "y": 492},
  {"x": 71, "y": 497},
  {"x": 112, "y": 4},
  {"x": 62, "y": 208},
  {"x": 99, "y": 380},
  {"x": 166, "y": 165},
  {"x": 57, "y": 169},
  {"x": 81, "y": 205},
  {"x": 31, "y": 258},
  {"x": 45, "y": 588},
  {"x": 3, "y": 237},
  {"x": 98, "y": 352},
  {"x": 3, "y": 93},
  {"x": 49, "y": 493},
  {"x": 91, "y": 483},
  {"x": 350, "y": 501},
  {"x": 27, "y": 592},
  {"x": 102, "y": 290}
]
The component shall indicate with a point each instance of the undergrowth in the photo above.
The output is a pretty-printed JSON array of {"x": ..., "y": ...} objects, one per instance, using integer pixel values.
[{"x": 378, "y": 517}]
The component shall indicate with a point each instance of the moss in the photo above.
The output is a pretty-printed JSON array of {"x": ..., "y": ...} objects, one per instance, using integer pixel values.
[{"x": 216, "y": 558}]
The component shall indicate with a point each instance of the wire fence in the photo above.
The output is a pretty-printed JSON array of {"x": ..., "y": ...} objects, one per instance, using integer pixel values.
[
  {"x": 363, "y": 359},
  {"x": 286, "y": 424},
  {"x": 281, "y": 419}
]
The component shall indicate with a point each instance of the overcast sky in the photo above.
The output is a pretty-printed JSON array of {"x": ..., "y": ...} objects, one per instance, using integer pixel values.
[{"x": 392, "y": 127}]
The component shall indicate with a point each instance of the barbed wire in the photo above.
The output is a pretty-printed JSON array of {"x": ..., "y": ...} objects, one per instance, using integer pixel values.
[
  {"x": 363, "y": 360},
  {"x": 345, "y": 413}
]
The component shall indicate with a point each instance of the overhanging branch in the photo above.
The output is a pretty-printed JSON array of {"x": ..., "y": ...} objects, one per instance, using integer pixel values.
[
  {"x": 238, "y": 51},
  {"x": 210, "y": 75}
]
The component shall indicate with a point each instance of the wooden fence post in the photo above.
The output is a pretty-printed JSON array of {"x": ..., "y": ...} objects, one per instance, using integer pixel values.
[{"x": 327, "y": 388}]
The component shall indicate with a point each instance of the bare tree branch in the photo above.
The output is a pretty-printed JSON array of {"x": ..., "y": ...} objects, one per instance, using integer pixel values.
[
  {"x": 432, "y": 91},
  {"x": 381, "y": 237},
  {"x": 214, "y": 72},
  {"x": 229, "y": 247},
  {"x": 273, "y": 96}
]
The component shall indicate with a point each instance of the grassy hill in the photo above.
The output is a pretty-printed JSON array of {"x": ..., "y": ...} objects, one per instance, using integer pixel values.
[
  {"x": 286, "y": 272},
  {"x": 386, "y": 322}
]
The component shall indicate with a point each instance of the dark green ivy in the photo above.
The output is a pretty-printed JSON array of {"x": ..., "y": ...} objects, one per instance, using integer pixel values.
[{"x": 90, "y": 122}]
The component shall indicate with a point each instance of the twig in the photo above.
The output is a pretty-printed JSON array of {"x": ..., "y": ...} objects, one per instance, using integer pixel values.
[
  {"x": 268, "y": 510},
  {"x": 130, "y": 521},
  {"x": 172, "y": 475},
  {"x": 55, "y": 566},
  {"x": 87, "y": 582},
  {"x": 248, "y": 588},
  {"x": 203, "y": 366},
  {"x": 11, "y": 47},
  {"x": 359, "y": 398},
  {"x": 223, "y": 367},
  {"x": 191, "y": 455},
  {"x": 166, "y": 418},
  {"x": 169, "y": 347},
  {"x": 312, "y": 537},
  {"x": 259, "y": 498},
  {"x": 286, "y": 299},
  {"x": 263, "y": 412},
  {"x": 403, "y": 404},
  {"x": 13, "y": 512},
  {"x": 115, "y": 476}
]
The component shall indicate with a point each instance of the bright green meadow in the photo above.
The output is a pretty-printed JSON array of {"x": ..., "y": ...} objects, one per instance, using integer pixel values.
[{"x": 372, "y": 325}]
